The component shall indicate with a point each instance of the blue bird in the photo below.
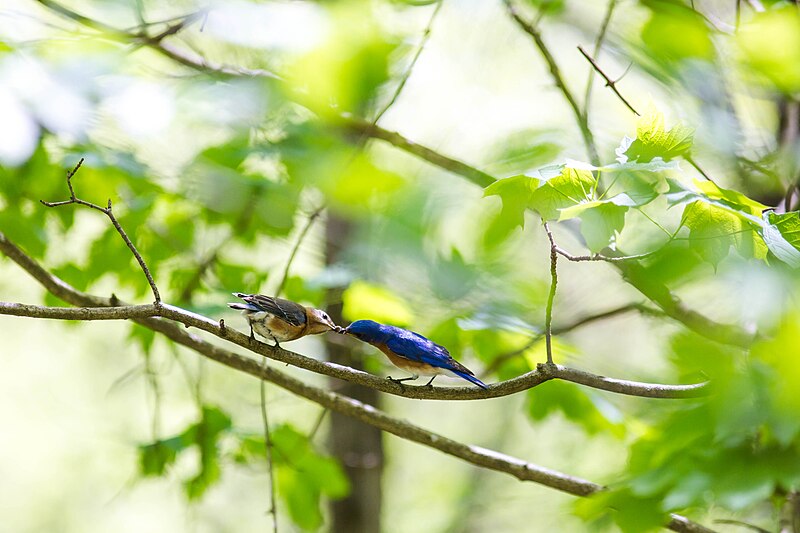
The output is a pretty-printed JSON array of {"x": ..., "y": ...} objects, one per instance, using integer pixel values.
[{"x": 411, "y": 352}]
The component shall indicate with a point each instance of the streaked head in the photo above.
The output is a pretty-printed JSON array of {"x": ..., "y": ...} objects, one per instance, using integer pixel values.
[
  {"x": 365, "y": 330},
  {"x": 320, "y": 322}
]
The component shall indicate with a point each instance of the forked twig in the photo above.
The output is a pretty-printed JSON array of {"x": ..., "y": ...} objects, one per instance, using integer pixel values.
[
  {"x": 110, "y": 214},
  {"x": 609, "y": 82}
]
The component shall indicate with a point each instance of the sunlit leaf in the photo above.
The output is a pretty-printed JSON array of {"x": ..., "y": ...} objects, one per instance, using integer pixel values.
[
  {"x": 569, "y": 188},
  {"x": 362, "y": 300},
  {"x": 586, "y": 409},
  {"x": 770, "y": 47},
  {"x": 654, "y": 140},
  {"x": 515, "y": 193},
  {"x": 781, "y": 232}
]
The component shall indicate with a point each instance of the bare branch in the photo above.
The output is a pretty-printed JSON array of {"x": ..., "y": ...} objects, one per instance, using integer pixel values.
[
  {"x": 356, "y": 125},
  {"x": 555, "y": 72},
  {"x": 124, "y": 312},
  {"x": 300, "y": 238},
  {"x": 601, "y": 35},
  {"x": 697, "y": 167},
  {"x": 404, "y": 79},
  {"x": 609, "y": 82},
  {"x": 548, "y": 317},
  {"x": 110, "y": 214},
  {"x": 273, "y": 509},
  {"x": 165, "y": 49},
  {"x": 600, "y": 257},
  {"x": 189, "y": 319},
  {"x": 501, "y": 359}
]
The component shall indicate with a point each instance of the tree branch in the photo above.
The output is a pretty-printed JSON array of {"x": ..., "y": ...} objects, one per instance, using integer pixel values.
[
  {"x": 548, "y": 316},
  {"x": 555, "y": 72},
  {"x": 189, "y": 319},
  {"x": 404, "y": 79},
  {"x": 609, "y": 82},
  {"x": 300, "y": 238},
  {"x": 601, "y": 35},
  {"x": 504, "y": 357},
  {"x": 110, "y": 214},
  {"x": 360, "y": 126}
]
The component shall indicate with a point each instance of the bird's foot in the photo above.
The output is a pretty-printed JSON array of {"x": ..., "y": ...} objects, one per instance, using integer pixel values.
[
  {"x": 429, "y": 384},
  {"x": 401, "y": 380}
]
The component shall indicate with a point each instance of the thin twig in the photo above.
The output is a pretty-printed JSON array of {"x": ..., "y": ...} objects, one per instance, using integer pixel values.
[
  {"x": 555, "y": 72},
  {"x": 407, "y": 74},
  {"x": 501, "y": 359},
  {"x": 173, "y": 29},
  {"x": 110, "y": 214},
  {"x": 300, "y": 238},
  {"x": 752, "y": 527},
  {"x": 152, "y": 379},
  {"x": 601, "y": 35},
  {"x": 548, "y": 317},
  {"x": 697, "y": 167},
  {"x": 317, "y": 425},
  {"x": 609, "y": 82},
  {"x": 241, "y": 225},
  {"x": 273, "y": 510},
  {"x": 600, "y": 257}
]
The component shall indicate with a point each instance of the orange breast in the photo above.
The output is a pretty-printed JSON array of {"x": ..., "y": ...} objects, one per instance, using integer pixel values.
[{"x": 415, "y": 367}]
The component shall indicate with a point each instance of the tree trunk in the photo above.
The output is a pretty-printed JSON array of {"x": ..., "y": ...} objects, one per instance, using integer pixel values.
[{"x": 357, "y": 446}]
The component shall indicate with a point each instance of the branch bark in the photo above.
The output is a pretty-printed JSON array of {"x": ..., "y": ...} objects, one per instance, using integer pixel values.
[{"x": 543, "y": 373}]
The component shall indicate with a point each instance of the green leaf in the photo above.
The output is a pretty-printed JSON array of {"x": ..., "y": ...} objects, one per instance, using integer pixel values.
[
  {"x": 631, "y": 513},
  {"x": 155, "y": 458},
  {"x": 362, "y": 300},
  {"x": 571, "y": 187},
  {"x": 712, "y": 230},
  {"x": 601, "y": 224},
  {"x": 675, "y": 33},
  {"x": 770, "y": 46},
  {"x": 781, "y": 232},
  {"x": 515, "y": 193},
  {"x": 302, "y": 474},
  {"x": 654, "y": 140},
  {"x": 205, "y": 435},
  {"x": 588, "y": 410},
  {"x": 522, "y": 151}
]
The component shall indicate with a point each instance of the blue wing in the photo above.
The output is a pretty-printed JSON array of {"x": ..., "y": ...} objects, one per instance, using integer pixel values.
[
  {"x": 415, "y": 347},
  {"x": 418, "y": 348}
]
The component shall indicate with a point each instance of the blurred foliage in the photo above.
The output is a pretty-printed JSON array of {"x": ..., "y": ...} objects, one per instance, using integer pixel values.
[{"x": 212, "y": 176}]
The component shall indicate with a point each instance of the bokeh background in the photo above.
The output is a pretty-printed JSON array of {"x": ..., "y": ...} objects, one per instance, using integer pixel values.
[{"x": 219, "y": 171}]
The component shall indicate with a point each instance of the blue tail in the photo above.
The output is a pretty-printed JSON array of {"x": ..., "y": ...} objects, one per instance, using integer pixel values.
[{"x": 470, "y": 378}]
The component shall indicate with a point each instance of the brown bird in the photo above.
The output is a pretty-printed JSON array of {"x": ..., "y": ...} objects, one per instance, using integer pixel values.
[{"x": 281, "y": 320}]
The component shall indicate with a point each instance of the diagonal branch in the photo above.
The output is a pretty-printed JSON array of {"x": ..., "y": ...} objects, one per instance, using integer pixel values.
[
  {"x": 601, "y": 35},
  {"x": 612, "y": 84},
  {"x": 407, "y": 74},
  {"x": 117, "y": 310},
  {"x": 110, "y": 214},
  {"x": 558, "y": 79}
]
